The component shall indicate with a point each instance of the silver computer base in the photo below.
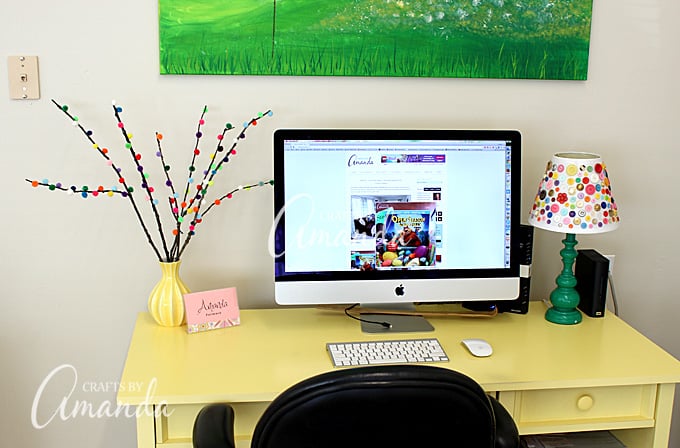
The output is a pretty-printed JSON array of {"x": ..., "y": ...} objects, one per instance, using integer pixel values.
[{"x": 372, "y": 323}]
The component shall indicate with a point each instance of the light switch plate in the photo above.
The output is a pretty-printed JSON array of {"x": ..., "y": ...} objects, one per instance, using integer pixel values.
[{"x": 24, "y": 81}]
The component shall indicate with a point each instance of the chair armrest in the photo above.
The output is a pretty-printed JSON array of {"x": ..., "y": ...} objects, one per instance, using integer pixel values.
[
  {"x": 214, "y": 427},
  {"x": 507, "y": 435}
]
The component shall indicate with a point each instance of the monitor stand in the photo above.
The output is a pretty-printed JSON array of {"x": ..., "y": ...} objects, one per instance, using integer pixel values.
[{"x": 399, "y": 323}]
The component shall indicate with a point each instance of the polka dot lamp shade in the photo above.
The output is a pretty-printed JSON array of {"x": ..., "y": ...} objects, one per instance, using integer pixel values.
[{"x": 575, "y": 196}]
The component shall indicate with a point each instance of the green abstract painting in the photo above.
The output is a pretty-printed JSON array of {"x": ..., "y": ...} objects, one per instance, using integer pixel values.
[{"x": 530, "y": 39}]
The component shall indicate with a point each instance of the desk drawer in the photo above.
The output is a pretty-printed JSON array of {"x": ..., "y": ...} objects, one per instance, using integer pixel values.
[{"x": 581, "y": 409}]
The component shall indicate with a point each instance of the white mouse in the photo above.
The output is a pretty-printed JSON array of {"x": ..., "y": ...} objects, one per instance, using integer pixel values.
[{"x": 478, "y": 347}]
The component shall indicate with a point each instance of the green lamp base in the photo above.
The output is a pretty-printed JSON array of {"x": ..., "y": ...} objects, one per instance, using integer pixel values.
[
  {"x": 565, "y": 298},
  {"x": 563, "y": 317}
]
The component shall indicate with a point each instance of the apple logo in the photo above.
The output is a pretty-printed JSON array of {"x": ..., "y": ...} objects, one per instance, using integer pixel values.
[{"x": 399, "y": 290}]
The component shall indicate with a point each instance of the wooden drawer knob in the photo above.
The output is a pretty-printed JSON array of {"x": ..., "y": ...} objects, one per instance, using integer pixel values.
[{"x": 584, "y": 402}]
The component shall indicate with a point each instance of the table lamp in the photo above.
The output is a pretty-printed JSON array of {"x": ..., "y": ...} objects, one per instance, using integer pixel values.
[{"x": 574, "y": 197}]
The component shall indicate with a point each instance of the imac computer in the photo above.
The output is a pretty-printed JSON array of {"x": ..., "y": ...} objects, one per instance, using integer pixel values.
[{"x": 395, "y": 216}]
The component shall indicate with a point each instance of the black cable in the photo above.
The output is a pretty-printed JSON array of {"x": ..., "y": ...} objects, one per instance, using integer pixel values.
[
  {"x": 384, "y": 324},
  {"x": 610, "y": 277}
]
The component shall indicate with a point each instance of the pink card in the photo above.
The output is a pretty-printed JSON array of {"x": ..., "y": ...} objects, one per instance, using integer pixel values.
[{"x": 209, "y": 310}]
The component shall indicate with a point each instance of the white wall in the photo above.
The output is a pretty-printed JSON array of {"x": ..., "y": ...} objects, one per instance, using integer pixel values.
[{"x": 77, "y": 272}]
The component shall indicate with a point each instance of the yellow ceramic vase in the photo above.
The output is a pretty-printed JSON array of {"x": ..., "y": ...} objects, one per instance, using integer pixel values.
[{"x": 166, "y": 302}]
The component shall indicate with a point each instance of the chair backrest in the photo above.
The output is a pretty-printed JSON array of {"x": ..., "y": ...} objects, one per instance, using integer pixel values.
[{"x": 392, "y": 406}]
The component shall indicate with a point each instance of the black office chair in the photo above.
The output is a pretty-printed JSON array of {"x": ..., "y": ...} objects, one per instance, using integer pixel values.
[{"x": 379, "y": 406}]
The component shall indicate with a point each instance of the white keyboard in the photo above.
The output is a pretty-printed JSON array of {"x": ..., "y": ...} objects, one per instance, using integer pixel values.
[{"x": 386, "y": 352}]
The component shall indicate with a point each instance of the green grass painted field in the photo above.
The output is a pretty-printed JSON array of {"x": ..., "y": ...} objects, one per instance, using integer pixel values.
[{"x": 420, "y": 38}]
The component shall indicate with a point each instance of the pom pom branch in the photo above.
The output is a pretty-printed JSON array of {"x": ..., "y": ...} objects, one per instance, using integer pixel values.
[{"x": 193, "y": 200}]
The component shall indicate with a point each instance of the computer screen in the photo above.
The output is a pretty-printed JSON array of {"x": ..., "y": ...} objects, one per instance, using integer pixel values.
[{"x": 393, "y": 215}]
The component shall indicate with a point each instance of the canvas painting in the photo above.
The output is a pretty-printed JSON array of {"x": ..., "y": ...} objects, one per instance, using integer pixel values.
[{"x": 521, "y": 39}]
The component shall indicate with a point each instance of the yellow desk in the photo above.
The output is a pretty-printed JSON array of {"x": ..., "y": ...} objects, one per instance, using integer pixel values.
[{"x": 601, "y": 374}]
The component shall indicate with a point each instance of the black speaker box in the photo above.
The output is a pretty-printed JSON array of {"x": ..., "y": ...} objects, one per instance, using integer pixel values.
[
  {"x": 521, "y": 304},
  {"x": 592, "y": 273},
  {"x": 526, "y": 249}
]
